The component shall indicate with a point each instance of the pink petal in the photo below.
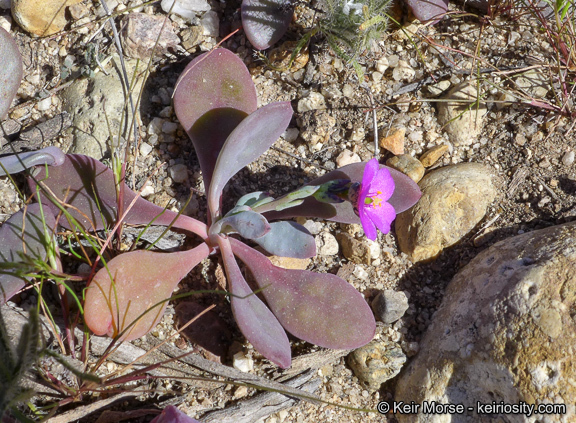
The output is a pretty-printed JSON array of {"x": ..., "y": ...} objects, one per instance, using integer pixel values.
[
  {"x": 382, "y": 217},
  {"x": 366, "y": 221},
  {"x": 384, "y": 183},
  {"x": 370, "y": 172}
]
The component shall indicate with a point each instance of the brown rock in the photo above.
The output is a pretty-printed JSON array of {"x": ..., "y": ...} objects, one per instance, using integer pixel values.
[
  {"x": 140, "y": 36},
  {"x": 354, "y": 250},
  {"x": 280, "y": 57},
  {"x": 454, "y": 199},
  {"x": 408, "y": 165},
  {"x": 431, "y": 156},
  {"x": 394, "y": 142},
  {"x": 41, "y": 17}
]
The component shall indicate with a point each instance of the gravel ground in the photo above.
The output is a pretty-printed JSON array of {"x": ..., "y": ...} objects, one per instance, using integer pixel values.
[{"x": 530, "y": 149}]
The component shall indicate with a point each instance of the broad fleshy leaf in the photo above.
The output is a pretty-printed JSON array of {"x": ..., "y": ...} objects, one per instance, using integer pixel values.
[
  {"x": 251, "y": 138},
  {"x": 406, "y": 194},
  {"x": 212, "y": 96},
  {"x": 247, "y": 224},
  {"x": 131, "y": 288},
  {"x": 254, "y": 319},
  {"x": 428, "y": 10},
  {"x": 172, "y": 415},
  {"x": 288, "y": 239},
  {"x": 10, "y": 71},
  {"x": 87, "y": 187},
  {"x": 266, "y": 21},
  {"x": 319, "y": 308},
  {"x": 25, "y": 232},
  {"x": 14, "y": 163}
]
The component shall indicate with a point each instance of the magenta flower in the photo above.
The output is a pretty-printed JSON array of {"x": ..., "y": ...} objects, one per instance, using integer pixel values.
[{"x": 376, "y": 188}]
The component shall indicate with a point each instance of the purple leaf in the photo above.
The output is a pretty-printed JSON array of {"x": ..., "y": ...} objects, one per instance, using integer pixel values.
[
  {"x": 212, "y": 96},
  {"x": 405, "y": 195},
  {"x": 25, "y": 233},
  {"x": 428, "y": 10},
  {"x": 88, "y": 187},
  {"x": 288, "y": 239},
  {"x": 172, "y": 415},
  {"x": 246, "y": 143},
  {"x": 266, "y": 21},
  {"x": 254, "y": 319},
  {"x": 15, "y": 163},
  {"x": 133, "y": 283},
  {"x": 247, "y": 224},
  {"x": 10, "y": 71},
  {"x": 322, "y": 309}
]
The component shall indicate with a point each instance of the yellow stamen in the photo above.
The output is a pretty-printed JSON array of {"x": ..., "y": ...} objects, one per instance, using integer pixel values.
[{"x": 376, "y": 201}]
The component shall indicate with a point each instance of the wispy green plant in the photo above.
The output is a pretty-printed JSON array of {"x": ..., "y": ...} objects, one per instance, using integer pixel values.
[{"x": 350, "y": 27}]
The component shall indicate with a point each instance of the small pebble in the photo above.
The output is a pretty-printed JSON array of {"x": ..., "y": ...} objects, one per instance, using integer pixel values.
[
  {"x": 328, "y": 245},
  {"x": 179, "y": 173},
  {"x": 389, "y": 306},
  {"x": 242, "y": 362},
  {"x": 433, "y": 155},
  {"x": 394, "y": 141},
  {"x": 145, "y": 149},
  {"x": 347, "y": 157},
  {"x": 382, "y": 64},
  {"x": 291, "y": 134},
  {"x": 169, "y": 127},
  {"x": 186, "y": 8},
  {"x": 211, "y": 24},
  {"x": 377, "y": 362},
  {"x": 568, "y": 158},
  {"x": 408, "y": 165},
  {"x": 45, "y": 104},
  {"x": 314, "y": 101}
]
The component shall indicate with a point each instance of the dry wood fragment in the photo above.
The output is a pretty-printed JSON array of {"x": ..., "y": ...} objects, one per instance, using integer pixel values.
[{"x": 263, "y": 405}]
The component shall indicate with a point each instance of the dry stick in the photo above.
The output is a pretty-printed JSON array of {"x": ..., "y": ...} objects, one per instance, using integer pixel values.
[{"x": 374, "y": 119}]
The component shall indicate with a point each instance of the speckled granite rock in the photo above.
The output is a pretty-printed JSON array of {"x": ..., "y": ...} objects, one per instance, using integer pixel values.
[
  {"x": 89, "y": 101},
  {"x": 454, "y": 199},
  {"x": 463, "y": 119},
  {"x": 504, "y": 332}
]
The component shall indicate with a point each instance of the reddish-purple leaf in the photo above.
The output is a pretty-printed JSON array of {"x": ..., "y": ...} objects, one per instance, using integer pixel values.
[
  {"x": 120, "y": 295},
  {"x": 246, "y": 143},
  {"x": 10, "y": 71},
  {"x": 254, "y": 319},
  {"x": 266, "y": 21},
  {"x": 319, "y": 308},
  {"x": 212, "y": 96},
  {"x": 172, "y": 415},
  {"x": 88, "y": 188},
  {"x": 406, "y": 194},
  {"x": 24, "y": 232},
  {"x": 428, "y": 10}
]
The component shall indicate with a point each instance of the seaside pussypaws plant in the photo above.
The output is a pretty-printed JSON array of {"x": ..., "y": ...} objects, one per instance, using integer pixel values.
[{"x": 215, "y": 101}]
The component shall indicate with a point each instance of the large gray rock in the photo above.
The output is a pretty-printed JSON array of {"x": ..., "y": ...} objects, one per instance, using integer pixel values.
[
  {"x": 505, "y": 331},
  {"x": 89, "y": 101},
  {"x": 461, "y": 116},
  {"x": 454, "y": 199}
]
